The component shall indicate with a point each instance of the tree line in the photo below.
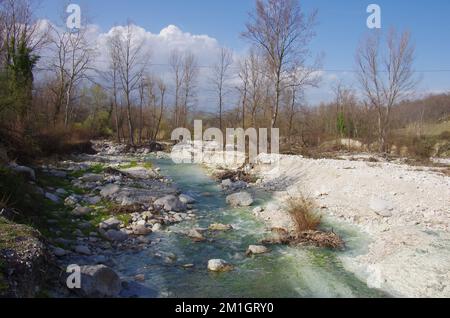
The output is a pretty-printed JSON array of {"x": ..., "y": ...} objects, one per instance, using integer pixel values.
[{"x": 51, "y": 86}]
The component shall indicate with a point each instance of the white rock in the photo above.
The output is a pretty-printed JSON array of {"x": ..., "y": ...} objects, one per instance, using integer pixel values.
[
  {"x": 219, "y": 265},
  {"x": 109, "y": 190},
  {"x": 171, "y": 203},
  {"x": 257, "y": 249},
  {"x": 110, "y": 224},
  {"x": 240, "y": 199},
  {"x": 184, "y": 198},
  {"x": 157, "y": 227},
  {"x": 227, "y": 183}
]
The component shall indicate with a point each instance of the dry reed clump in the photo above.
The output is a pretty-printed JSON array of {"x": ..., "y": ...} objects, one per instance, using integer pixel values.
[
  {"x": 303, "y": 213},
  {"x": 306, "y": 228}
]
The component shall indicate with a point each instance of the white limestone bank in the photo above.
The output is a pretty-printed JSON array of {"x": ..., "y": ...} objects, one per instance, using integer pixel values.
[{"x": 404, "y": 210}]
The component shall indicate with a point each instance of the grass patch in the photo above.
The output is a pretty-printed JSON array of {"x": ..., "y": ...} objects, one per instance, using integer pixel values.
[
  {"x": 45, "y": 181},
  {"x": 126, "y": 219},
  {"x": 303, "y": 213},
  {"x": 131, "y": 164},
  {"x": 95, "y": 169},
  {"x": 107, "y": 209},
  {"x": 134, "y": 164}
]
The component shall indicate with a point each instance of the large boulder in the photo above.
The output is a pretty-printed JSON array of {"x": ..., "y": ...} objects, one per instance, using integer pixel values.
[
  {"x": 99, "y": 282},
  {"x": 219, "y": 265},
  {"x": 240, "y": 199},
  {"x": 171, "y": 203}
]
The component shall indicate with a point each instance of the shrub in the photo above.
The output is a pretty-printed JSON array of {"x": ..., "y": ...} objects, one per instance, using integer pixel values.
[
  {"x": 303, "y": 214},
  {"x": 62, "y": 141}
]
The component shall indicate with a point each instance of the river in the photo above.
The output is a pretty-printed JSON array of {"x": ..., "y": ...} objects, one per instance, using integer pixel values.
[{"x": 285, "y": 272}]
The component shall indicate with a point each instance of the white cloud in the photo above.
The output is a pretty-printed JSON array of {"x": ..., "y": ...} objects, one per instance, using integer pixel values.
[{"x": 160, "y": 45}]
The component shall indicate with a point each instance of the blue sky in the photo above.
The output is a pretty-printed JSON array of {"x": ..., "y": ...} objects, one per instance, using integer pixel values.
[{"x": 341, "y": 26}]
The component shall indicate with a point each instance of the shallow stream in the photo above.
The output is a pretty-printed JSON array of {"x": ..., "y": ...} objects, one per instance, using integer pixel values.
[{"x": 285, "y": 272}]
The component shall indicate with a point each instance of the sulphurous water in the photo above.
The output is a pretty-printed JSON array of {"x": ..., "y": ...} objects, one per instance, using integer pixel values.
[{"x": 285, "y": 272}]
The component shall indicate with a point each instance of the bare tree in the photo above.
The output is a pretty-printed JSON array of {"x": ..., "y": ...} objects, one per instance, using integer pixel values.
[
  {"x": 132, "y": 62},
  {"x": 244, "y": 77},
  {"x": 21, "y": 34},
  {"x": 176, "y": 65},
  {"x": 112, "y": 77},
  {"x": 280, "y": 29},
  {"x": 386, "y": 78},
  {"x": 190, "y": 72},
  {"x": 71, "y": 64},
  {"x": 162, "y": 88},
  {"x": 144, "y": 84},
  {"x": 19, "y": 23},
  {"x": 257, "y": 76},
  {"x": 221, "y": 77}
]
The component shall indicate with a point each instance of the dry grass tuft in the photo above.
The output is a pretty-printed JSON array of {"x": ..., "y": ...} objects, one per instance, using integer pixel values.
[{"x": 303, "y": 212}]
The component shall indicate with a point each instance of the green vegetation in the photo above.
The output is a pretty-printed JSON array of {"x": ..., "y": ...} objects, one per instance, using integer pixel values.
[
  {"x": 126, "y": 219},
  {"x": 134, "y": 164},
  {"x": 95, "y": 169}
]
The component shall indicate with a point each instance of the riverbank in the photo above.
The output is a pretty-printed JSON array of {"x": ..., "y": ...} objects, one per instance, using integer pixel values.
[
  {"x": 88, "y": 208},
  {"x": 139, "y": 225},
  {"x": 404, "y": 210}
]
